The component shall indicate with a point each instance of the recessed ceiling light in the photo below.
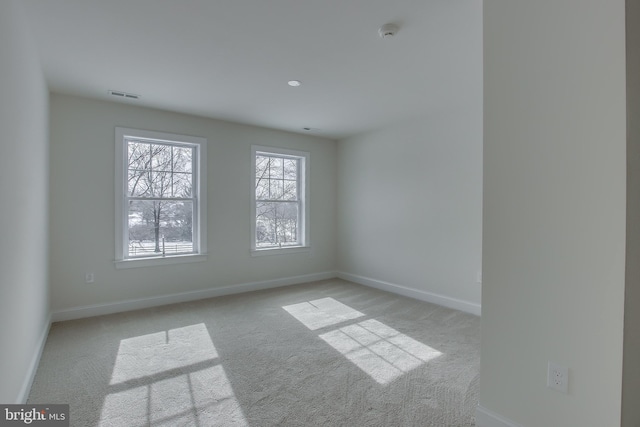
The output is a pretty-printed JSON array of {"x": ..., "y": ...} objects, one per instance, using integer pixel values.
[{"x": 294, "y": 83}]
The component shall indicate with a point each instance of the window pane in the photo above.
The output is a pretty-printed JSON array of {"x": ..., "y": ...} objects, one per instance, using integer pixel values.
[
  {"x": 276, "y": 189},
  {"x": 156, "y": 227},
  {"x": 160, "y": 185},
  {"x": 161, "y": 157},
  {"x": 290, "y": 190},
  {"x": 182, "y": 159},
  {"x": 139, "y": 156},
  {"x": 276, "y": 167},
  {"x": 182, "y": 185},
  {"x": 290, "y": 169},
  {"x": 262, "y": 167},
  {"x": 276, "y": 224},
  {"x": 138, "y": 184},
  {"x": 262, "y": 189}
]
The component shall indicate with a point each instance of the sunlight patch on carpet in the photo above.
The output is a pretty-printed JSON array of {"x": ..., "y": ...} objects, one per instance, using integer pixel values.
[
  {"x": 379, "y": 350},
  {"x": 170, "y": 378},
  {"x": 151, "y": 354},
  {"x": 322, "y": 312}
]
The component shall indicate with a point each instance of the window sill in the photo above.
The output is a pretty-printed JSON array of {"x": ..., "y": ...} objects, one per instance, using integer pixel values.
[
  {"x": 167, "y": 260},
  {"x": 280, "y": 251}
]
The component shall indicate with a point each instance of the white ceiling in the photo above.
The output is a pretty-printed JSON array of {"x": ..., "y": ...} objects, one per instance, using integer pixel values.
[{"x": 231, "y": 59}]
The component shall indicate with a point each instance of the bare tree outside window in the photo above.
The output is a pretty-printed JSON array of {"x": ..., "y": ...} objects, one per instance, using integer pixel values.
[
  {"x": 160, "y": 202},
  {"x": 277, "y": 192}
]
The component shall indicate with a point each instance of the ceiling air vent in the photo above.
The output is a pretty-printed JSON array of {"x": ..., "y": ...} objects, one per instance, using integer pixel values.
[{"x": 123, "y": 94}]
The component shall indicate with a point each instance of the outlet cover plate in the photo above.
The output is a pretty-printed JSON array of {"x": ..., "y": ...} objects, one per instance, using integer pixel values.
[{"x": 558, "y": 377}]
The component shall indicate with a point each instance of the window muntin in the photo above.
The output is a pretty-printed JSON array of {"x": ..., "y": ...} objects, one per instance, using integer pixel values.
[
  {"x": 279, "y": 214},
  {"x": 160, "y": 210}
]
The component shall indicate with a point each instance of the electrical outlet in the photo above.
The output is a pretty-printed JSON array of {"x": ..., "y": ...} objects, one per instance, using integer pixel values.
[
  {"x": 558, "y": 378},
  {"x": 479, "y": 276},
  {"x": 89, "y": 278}
]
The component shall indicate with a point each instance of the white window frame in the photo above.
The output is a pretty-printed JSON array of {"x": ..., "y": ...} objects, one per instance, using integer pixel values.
[
  {"x": 199, "y": 190},
  {"x": 303, "y": 195}
]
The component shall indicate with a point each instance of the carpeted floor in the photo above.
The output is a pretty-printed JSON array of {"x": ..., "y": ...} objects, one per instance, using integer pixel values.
[{"x": 329, "y": 353}]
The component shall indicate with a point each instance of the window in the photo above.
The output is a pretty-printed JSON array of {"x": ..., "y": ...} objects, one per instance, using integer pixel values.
[
  {"x": 279, "y": 201},
  {"x": 160, "y": 198}
]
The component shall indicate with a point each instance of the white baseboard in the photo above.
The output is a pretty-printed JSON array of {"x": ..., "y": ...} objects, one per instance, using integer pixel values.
[
  {"x": 445, "y": 301},
  {"x": 487, "y": 418},
  {"x": 135, "y": 304},
  {"x": 22, "y": 397}
]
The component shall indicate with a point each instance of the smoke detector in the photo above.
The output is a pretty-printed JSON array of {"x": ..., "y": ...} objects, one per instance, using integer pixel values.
[{"x": 388, "y": 30}]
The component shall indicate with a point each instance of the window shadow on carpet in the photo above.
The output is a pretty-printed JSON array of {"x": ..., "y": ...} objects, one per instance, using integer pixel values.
[
  {"x": 325, "y": 353},
  {"x": 169, "y": 378},
  {"x": 377, "y": 349}
]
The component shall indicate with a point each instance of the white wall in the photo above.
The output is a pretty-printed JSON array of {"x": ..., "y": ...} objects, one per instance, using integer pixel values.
[
  {"x": 554, "y": 209},
  {"x": 631, "y": 367},
  {"x": 82, "y": 200},
  {"x": 24, "y": 294},
  {"x": 410, "y": 206}
]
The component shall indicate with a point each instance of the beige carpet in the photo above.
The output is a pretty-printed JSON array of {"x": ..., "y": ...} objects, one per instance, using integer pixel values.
[{"x": 329, "y": 353}]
